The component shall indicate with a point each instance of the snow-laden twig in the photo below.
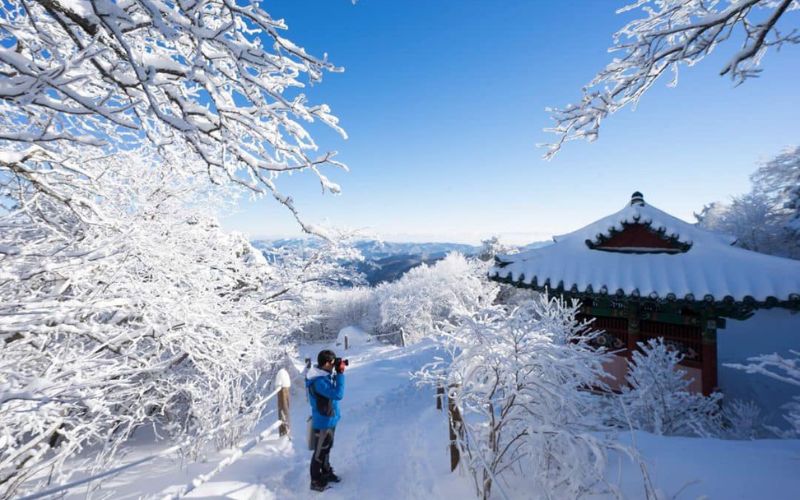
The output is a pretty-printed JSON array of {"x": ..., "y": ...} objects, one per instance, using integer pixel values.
[
  {"x": 784, "y": 369},
  {"x": 106, "y": 327},
  {"x": 672, "y": 33}
]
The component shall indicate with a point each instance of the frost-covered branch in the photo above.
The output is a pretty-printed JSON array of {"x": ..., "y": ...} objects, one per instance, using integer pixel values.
[
  {"x": 215, "y": 78},
  {"x": 106, "y": 327},
  {"x": 785, "y": 369},
  {"x": 126, "y": 127},
  {"x": 773, "y": 366},
  {"x": 670, "y": 34}
]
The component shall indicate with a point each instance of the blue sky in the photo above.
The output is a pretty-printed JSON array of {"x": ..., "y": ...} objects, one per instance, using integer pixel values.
[{"x": 444, "y": 102}]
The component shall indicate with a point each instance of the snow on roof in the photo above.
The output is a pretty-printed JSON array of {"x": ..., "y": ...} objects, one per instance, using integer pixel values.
[{"x": 709, "y": 269}]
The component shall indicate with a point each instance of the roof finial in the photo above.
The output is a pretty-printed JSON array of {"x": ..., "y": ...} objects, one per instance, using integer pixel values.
[{"x": 637, "y": 198}]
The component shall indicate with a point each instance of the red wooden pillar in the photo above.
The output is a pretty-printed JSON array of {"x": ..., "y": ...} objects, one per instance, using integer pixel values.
[
  {"x": 710, "y": 356},
  {"x": 633, "y": 328}
]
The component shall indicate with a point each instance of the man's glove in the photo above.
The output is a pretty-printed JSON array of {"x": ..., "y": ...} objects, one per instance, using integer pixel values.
[{"x": 341, "y": 366}]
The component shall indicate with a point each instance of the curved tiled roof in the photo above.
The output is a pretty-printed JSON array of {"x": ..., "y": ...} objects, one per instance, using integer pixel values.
[{"x": 710, "y": 269}]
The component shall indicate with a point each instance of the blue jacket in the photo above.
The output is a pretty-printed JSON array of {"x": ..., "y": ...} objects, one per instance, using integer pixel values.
[{"x": 322, "y": 387}]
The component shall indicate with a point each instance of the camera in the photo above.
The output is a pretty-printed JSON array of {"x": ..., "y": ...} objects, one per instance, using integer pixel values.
[{"x": 340, "y": 360}]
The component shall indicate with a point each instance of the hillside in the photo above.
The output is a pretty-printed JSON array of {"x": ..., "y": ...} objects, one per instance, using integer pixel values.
[
  {"x": 383, "y": 261},
  {"x": 386, "y": 261}
]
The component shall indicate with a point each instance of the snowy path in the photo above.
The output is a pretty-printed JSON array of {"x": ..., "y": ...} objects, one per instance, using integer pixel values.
[{"x": 391, "y": 442}]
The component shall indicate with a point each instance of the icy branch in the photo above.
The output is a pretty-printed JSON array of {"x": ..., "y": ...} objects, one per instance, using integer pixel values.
[{"x": 672, "y": 33}]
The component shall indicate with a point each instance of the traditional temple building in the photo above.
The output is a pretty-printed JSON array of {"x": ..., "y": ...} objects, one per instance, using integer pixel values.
[{"x": 642, "y": 273}]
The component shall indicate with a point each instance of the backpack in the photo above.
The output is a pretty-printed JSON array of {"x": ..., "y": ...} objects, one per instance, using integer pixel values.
[
  {"x": 325, "y": 408},
  {"x": 324, "y": 405}
]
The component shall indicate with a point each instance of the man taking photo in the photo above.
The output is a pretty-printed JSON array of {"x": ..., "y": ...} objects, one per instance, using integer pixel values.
[{"x": 325, "y": 385}]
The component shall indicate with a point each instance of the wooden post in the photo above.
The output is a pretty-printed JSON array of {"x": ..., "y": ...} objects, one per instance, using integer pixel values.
[
  {"x": 345, "y": 343},
  {"x": 284, "y": 382},
  {"x": 439, "y": 396},
  {"x": 454, "y": 417}
]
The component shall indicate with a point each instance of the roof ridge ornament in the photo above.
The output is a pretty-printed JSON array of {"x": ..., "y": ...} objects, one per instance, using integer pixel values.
[{"x": 637, "y": 198}]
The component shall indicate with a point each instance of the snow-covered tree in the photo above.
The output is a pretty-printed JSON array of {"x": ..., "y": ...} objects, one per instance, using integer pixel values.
[
  {"x": 125, "y": 128},
  {"x": 211, "y": 79},
  {"x": 520, "y": 377},
  {"x": 765, "y": 219},
  {"x": 105, "y": 327},
  {"x": 338, "y": 308},
  {"x": 657, "y": 398},
  {"x": 750, "y": 219},
  {"x": 778, "y": 179},
  {"x": 416, "y": 306},
  {"x": 491, "y": 247},
  {"x": 670, "y": 34},
  {"x": 427, "y": 296},
  {"x": 785, "y": 369}
]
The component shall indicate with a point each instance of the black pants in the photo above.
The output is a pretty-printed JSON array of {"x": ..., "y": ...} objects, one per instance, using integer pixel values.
[{"x": 320, "y": 464}]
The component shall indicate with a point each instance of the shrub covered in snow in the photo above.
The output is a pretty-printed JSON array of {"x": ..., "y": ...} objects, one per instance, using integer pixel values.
[
  {"x": 427, "y": 297},
  {"x": 657, "y": 398},
  {"x": 520, "y": 377},
  {"x": 741, "y": 420},
  {"x": 412, "y": 308}
]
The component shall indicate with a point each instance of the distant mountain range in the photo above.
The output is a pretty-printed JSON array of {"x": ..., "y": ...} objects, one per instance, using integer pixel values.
[{"x": 387, "y": 261}]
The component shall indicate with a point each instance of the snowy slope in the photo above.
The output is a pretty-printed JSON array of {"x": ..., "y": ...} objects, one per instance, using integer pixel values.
[
  {"x": 695, "y": 468},
  {"x": 392, "y": 444}
]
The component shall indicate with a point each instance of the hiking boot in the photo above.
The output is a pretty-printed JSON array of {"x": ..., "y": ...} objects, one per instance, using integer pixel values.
[
  {"x": 319, "y": 485},
  {"x": 331, "y": 477}
]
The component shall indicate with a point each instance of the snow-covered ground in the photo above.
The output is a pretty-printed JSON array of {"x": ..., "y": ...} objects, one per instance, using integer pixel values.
[
  {"x": 694, "y": 468},
  {"x": 392, "y": 444}
]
